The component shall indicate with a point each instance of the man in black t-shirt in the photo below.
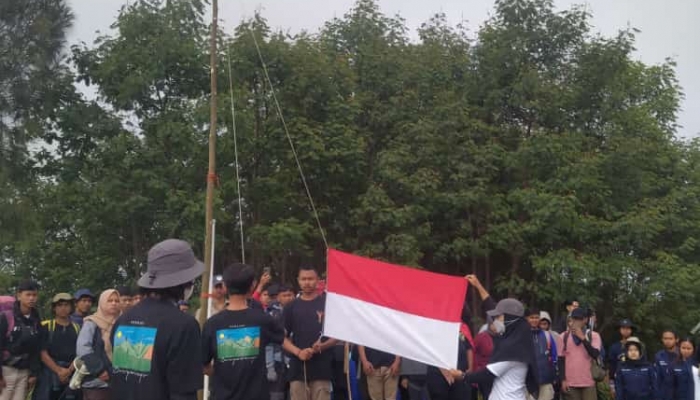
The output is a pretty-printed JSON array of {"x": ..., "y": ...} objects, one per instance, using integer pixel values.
[
  {"x": 58, "y": 351},
  {"x": 235, "y": 340},
  {"x": 156, "y": 347},
  {"x": 382, "y": 371},
  {"x": 311, "y": 367}
]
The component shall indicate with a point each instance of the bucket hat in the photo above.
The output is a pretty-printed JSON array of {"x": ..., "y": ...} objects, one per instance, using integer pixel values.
[{"x": 171, "y": 263}]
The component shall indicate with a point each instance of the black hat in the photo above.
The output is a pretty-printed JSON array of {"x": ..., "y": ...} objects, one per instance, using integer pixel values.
[
  {"x": 626, "y": 323},
  {"x": 579, "y": 313}
]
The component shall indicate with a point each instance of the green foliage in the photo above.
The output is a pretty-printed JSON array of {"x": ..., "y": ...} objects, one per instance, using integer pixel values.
[{"x": 534, "y": 153}]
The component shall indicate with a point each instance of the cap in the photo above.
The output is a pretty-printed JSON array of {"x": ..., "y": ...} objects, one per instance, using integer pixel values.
[
  {"x": 633, "y": 340},
  {"x": 579, "y": 313},
  {"x": 508, "y": 306},
  {"x": 61, "y": 297},
  {"x": 626, "y": 323},
  {"x": 218, "y": 280},
  {"x": 84, "y": 293},
  {"x": 171, "y": 263},
  {"x": 183, "y": 303}
]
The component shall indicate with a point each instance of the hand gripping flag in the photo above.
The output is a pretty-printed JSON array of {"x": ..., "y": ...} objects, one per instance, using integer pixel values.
[{"x": 399, "y": 310}]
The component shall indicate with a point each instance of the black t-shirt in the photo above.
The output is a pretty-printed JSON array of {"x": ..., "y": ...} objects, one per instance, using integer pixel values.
[
  {"x": 236, "y": 341},
  {"x": 156, "y": 353},
  {"x": 379, "y": 358},
  {"x": 60, "y": 343},
  {"x": 303, "y": 320}
]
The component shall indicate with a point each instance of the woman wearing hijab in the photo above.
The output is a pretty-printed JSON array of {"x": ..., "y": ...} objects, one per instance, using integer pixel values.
[
  {"x": 635, "y": 378},
  {"x": 94, "y": 346},
  {"x": 512, "y": 367}
]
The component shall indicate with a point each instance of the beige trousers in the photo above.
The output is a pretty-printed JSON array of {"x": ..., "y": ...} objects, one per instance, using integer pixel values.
[
  {"x": 546, "y": 393},
  {"x": 317, "y": 390},
  {"x": 16, "y": 383},
  {"x": 382, "y": 385}
]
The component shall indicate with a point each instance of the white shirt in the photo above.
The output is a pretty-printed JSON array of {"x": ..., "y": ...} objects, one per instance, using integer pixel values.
[
  {"x": 696, "y": 378},
  {"x": 510, "y": 380}
]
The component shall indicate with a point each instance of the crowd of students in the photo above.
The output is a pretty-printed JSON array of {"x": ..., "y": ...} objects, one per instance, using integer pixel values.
[{"x": 265, "y": 341}]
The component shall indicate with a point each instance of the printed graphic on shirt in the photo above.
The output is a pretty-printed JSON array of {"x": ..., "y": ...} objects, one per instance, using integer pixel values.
[
  {"x": 133, "y": 348},
  {"x": 237, "y": 343}
]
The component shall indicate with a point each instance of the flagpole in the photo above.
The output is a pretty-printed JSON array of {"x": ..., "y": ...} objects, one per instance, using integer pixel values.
[
  {"x": 210, "y": 300},
  {"x": 211, "y": 173}
]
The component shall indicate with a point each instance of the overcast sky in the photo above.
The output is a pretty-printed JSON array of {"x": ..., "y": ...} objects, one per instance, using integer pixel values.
[{"x": 669, "y": 27}]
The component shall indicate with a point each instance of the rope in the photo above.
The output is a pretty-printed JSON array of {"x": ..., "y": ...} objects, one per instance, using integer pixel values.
[
  {"x": 289, "y": 138},
  {"x": 235, "y": 153}
]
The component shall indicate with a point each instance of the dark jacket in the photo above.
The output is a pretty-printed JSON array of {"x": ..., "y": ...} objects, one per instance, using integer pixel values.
[
  {"x": 662, "y": 362},
  {"x": 21, "y": 348},
  {"x": 545, "y": 356},
  {"x": 683, "y": 387},
  {"x": 614, "y": 354},
  {"x": 636, "y": 380}
]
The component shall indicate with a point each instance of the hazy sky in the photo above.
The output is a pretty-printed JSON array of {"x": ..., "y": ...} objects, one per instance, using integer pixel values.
[{"x": 669, "y": 27}]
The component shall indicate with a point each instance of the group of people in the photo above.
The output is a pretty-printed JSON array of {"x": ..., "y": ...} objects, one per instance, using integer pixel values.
[{"x": 264, "y": 341}]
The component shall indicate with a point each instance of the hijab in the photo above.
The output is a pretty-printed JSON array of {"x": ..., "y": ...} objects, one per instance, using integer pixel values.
[
  {"x": 516, "y": 345},
  {"x": 105, "y": 321}
]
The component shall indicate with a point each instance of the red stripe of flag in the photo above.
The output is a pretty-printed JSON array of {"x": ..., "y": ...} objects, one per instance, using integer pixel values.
[{"x": 409, "y": 290}]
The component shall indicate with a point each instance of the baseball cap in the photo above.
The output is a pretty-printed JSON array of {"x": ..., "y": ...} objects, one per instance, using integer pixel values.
[
  {"x": 61, "y": 297},
  {"x": 508, "y": 306},
  {"x": 579, "y": 313},
  {"x": 84, "y": 293},
  {"x": 218, "y": 280}
]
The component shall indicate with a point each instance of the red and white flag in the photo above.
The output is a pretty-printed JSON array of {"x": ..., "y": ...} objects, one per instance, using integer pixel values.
[{"x": 399, "y": 310}]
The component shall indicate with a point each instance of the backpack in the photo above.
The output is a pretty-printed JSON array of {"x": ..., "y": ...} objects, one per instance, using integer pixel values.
[
  {"x": 7, "y": 309},
  {"x": 551, "y": 348},
  {"x": 50, "y": 325}
]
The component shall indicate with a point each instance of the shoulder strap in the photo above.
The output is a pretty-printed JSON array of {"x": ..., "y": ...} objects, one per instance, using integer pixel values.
[
  {"x": 566, "y": 340},
  {"x": 10, "y": 319},
  {"x": 50, "y": 325}
]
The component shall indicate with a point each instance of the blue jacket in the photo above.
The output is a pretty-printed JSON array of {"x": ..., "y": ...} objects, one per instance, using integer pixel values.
[
  {"x": 682, "y": 381},
  {"x": 616, "y": 351},
  {"x": 546, "y": 356},
  {"x": 662, "y": 362},
  {"x": 636, "y": 380}
]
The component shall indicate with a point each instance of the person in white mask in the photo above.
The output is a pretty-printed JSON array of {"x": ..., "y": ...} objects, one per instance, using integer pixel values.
[
  {"x": 156, "y": 348},
  {"x": 512, "y": 367}
]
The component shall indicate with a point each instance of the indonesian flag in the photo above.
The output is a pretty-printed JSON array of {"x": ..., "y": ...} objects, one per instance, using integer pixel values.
[{"x": 399, "y": 310}]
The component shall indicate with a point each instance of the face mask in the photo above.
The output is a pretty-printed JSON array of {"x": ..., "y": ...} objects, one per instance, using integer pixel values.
[
  {"x": 500, "y": 327},
  {"x": 189, "y": 290}
]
